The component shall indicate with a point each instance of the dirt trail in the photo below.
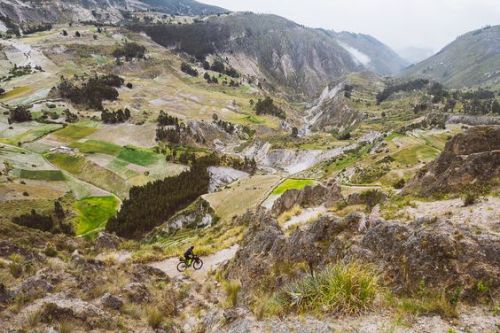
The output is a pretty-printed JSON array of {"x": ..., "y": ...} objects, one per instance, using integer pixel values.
[{"x": 169, "y": 266}]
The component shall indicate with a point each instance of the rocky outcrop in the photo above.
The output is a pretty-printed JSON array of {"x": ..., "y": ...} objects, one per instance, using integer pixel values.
[
  {"x": 137, "y": 292},
  {"x": 434, "y": 252},
  {"x": 331, "y": 113},
  {"x": 222, "y": 176},
  {"x": 107, "y": 241},
  {"x": 430, "y": 121},
  {"x": 111, "y": 301},
  {"x": 198, "y": 215},
  {"x": 59, "y": 307},
  {"x": 310, "y": 196},
  {"x": 470, "y": 158}
]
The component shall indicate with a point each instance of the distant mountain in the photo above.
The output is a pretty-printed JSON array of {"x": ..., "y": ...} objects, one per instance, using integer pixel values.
[
  {"x": 55, "y": 11},
  {"x": 472, "y": 59},
  {"x": 289, "y": 57},
  {"x": 415, "y": 54},
  {"x": 371, "y": 53}
]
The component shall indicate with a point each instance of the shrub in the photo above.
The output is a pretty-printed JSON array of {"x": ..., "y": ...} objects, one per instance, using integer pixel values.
[
  {"x": 188, "y": 69},
  {"x": 155, "y": 317},
  {"x": 35, "y": 221},
  {"x": 267, "y": 106},
  {"x": 130, "y": 51},
  {"x": 469, "y": 198},
  {"x": 50, "y": 251},
  {"x": 231, "y": 288},
  {"x": 15, "y": 269},
  {"x": 399, "y": 184},
  {"x": 19, "y": 114},
  {"x": 341, "y": 289}
]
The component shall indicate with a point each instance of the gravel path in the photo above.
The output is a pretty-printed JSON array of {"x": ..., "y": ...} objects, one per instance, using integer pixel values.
[{"x": 169, "y": 266}]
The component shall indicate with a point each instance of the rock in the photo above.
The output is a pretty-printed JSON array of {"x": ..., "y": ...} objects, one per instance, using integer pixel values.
[
  {"x": 469, "y": 158},
  {"x": 5, "y": 294},
  {"x": 34, "y": 286},
  {"x": 222, "y": 176},
  {"x": 198, "y": 215},
  {"x": 441, "y": 256},
  {"x": 8, "y": 248},
  {"x": 106, "y": 241},
  {"x": 111, "y": 301},
  {"x": 137, "y": 292},
  {"x": 435, "y": 252},
  {"x": 59, "y": 307},
  {"x": 143, "y": 273},
  {"x": 310, "y": 196}
]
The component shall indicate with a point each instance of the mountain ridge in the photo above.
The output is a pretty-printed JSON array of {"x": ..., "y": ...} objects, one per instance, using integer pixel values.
[{"x": 472, "y": 59}]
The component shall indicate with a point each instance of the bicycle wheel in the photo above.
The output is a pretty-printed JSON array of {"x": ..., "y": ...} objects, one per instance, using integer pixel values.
[
  {"x": 181, "y": 267},
  {"x": 198, "y": 264}
]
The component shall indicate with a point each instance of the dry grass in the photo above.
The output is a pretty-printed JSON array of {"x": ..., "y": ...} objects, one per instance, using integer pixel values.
[
  {"x": 231, "y": 289},
  {"x": 341, "y": 289}
]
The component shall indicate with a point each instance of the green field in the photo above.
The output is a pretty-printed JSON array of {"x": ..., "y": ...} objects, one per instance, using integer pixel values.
[
  {"x": 31, "y": 135},
  {"x": 139, "y": 156},
  {"x": 48, "y": 175},
  {"x": 97, "y": 147},
  {"x": 413, "y": 155},
  {"x": 90, "y": 172},
  {"x": 94, "y": 213},
  {"x": 70, "y": 163},
  {"x": 291, "y": 184},
  {"x": 74, "y": 132}
]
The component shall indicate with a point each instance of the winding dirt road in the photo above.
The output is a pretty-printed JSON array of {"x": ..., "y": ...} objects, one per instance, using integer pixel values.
[{"x": 169, "y": 266}]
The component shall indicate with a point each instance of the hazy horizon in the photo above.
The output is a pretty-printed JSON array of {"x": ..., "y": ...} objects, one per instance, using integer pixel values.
[{"x": 424, "y": 24}]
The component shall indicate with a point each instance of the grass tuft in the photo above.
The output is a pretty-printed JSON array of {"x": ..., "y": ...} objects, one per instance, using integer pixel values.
[
  {"x": 231, "y": 288},
  {"x": 341, "y": 289}
]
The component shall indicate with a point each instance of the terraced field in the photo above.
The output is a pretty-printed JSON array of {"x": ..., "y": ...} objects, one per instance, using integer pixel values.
[{"x": 93, "y": 213}]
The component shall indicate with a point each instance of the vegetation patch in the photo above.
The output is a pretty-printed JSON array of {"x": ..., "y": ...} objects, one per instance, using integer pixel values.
[
  {"x": 48, "y": 175},
  {"x": 139, "y": 156},
  {"x": 94, "y": 213},
  {"x": 414, "y": 155},
  {"x": 345, "y": 289},
  {"x": 74, "y": 132},
  {"x": 71, "y": 163},
  {"x": 97, "y": 147},
  {"x": 292, "y": 184}
]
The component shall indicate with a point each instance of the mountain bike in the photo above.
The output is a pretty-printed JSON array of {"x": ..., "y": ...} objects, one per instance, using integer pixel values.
[{"x": 183, "y": 264}]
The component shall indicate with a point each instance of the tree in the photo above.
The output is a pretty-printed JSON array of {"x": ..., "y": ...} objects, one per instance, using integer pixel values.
[
  {"x": 58, "y": 210},
  {"x": 64, "y": 33},
  {"x": 77, "y": 34},
  {"x": 186, "y": 68},
  {"x": 19, "y": 114},
  {"x": 218, "y": 66},
  {"x": 495, "y": 107},
  {"x": 2, "y": 91},
  {"x": 295, "y": 132}
]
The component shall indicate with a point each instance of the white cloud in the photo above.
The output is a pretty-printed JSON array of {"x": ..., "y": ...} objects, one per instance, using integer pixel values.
[{"x": 398, "y": 23}]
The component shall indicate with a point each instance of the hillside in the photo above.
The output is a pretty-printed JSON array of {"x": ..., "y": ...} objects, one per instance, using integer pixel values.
[
  {"x": 289, "y": 57},
  {"x": 472, "y": 59},
  {"x": 371, "y": 53},
  {"x": 319, "y": 195},
  {"x": 112, "y": 11}
]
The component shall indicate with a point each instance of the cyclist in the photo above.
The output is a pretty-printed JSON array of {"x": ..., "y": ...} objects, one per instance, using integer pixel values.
[{"x": 189, "y": 255}]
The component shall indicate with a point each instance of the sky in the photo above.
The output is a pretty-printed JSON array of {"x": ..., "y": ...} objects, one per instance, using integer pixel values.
[{"x": 428, "y": 24}]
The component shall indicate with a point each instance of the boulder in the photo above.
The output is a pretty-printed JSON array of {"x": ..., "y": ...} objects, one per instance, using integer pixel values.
[
  {"x": 137, "y": 292},
  {"x": 143, "y": 273},
  {"x": 111, "y": 301},
  {"x": 106, "y": 241},
  {"x": 61, "y": 307},
  {"x": 309, "y": 196},
  {"x": 470, "y": 158}
]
